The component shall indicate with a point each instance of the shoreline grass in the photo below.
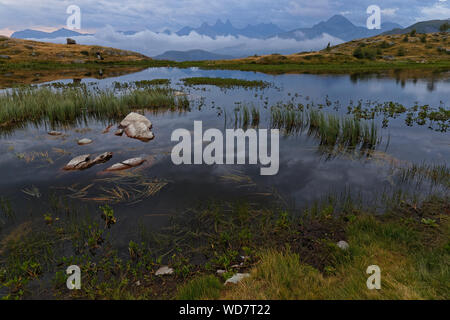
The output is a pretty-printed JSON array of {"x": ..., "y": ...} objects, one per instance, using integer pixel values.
[
  {"x": 71, "y": 104},
  {"x": 288, "y": 256}
]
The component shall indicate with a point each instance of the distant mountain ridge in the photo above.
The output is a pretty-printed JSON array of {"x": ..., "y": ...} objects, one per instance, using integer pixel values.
[
  {"x": 337, "y": 26},
  {"x": 259, "y": 31},
  {"x": 35, "y": 34},
  {"x": 191, "y": 55}
]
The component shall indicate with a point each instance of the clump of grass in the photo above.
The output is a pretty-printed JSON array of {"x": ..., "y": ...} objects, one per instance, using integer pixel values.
[
  {"x": 245, "y": 116},
  {"x": 436, "y": 173},
  {"x": 225, "y": 82},
  {"x": 206, "y": 287},
  {"x": 288, "y": 117},
  {"x": 332, "y": 130},
  {"x": 74, "y": 104}
]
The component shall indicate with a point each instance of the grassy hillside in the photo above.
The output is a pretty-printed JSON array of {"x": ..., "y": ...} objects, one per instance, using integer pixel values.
[
  {"x": 376, "y": 53},
  {"x": 24, "y": 61},
  {"x": 27, "y": 51},
  {"x": 421, "y": 27}
]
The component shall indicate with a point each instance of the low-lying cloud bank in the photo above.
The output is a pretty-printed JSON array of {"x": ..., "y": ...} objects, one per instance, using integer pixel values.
[{"x": 151, "y": 43}]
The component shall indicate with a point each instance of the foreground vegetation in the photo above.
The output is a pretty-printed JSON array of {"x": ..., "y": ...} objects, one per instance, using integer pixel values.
[
  {"x": 288, "y": 256},
  {"x": 75, "y": 103}
]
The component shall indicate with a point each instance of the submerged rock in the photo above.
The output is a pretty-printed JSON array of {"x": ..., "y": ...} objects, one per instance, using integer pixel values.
[
  {"x": 238, "y": 277},
  {"x": 103, "y": 157},
  {"x": 343, "y": 245},
  {"x": 127, "y": 164},
  {"x": 78, "y": 163},
  {"x": 164, "y": 271},
  {"x": 54, "y": 133},
  {"x": 137, "y": 126},
  {"x": 84, "y": 161},
  {"x": 84, "y": 141}
]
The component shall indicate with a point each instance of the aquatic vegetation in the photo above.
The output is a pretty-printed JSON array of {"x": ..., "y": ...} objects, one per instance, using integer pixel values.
[
  {"x": 108, "y": 215},
  {"x": 436, "y": 173},
  {"x": 245, "y": 116},
  {"x": 71, "y": 105},
  {"x": 225, "y": 82},
  {"x": 141, "y": 84},
  {"x": 437, "y": 118},
  {"x": 343, "y": 132},
  {"x": 123, "y": 187}
]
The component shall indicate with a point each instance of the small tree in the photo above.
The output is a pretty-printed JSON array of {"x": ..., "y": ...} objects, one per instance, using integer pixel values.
[
  {"x": 413, "y": 33},
  {"x": 328, "y": 47},
  {"x": 444, "y": 27},
  {"x": 423, "y": 39}
]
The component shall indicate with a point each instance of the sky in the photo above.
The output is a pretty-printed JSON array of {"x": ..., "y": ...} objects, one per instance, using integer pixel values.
[
  {"x": 157, "y": 15},
  {"x": 105, "y": 18}
]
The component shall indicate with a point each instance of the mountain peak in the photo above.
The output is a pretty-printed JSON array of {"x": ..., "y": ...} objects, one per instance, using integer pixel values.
[{"x": 337, "y": 18}]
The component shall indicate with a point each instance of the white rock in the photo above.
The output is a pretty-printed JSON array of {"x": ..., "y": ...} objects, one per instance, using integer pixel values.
[
  {"x": 84, "y": 141},
  {"x": 220, "y": 271},
  {"x": 134, "y": 117},
  {"x": 137, "y": 126},
  {"x": 164, "y": 271},
  {"x": 238, "y": 277},
  {"x": 343, "y": 245}
]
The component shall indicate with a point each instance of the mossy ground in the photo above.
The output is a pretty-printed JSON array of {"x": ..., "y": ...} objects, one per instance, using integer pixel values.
[{"x": 288, "y": 257}]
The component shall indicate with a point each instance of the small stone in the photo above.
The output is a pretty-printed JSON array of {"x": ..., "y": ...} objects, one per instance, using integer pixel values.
[
  {"x": 84, "y": 141},
  {"x": 54, "y": 133},
  {"x": 220, "y": 271},
  {"x": 119, "y": 132},
  {"x": 164, "y": 271},
  {"x": 84, "y": 161},
  {"x": 127, "y": 164},
  {"x": 179, "y": 93},
  {"x": 78, "y": 162},
  {"x": 343, "y": 245},
  {"x": 238, "y": 277},
  {"x": 102, "y": 158}
]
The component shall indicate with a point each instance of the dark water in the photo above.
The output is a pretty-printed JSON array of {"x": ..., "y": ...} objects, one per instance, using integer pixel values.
[{"x": 30, "y": 159}]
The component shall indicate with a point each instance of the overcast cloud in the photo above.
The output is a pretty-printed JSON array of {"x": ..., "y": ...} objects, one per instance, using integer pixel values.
[
  {"x": 157, "y": 15},
  {"x": 151, "y": 43}
]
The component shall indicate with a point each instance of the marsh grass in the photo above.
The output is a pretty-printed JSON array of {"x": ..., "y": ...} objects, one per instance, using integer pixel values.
[
  {"x": 344, "y": 133},
  {"x": 436, "y": 173},
  {"x": 76, "y": 104},
  {"x": 122, "y": 187},
  {"x": 225, "y": 82},
  {"x": 245, "y": 116}
]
